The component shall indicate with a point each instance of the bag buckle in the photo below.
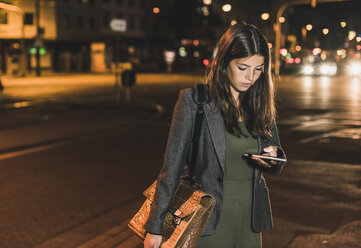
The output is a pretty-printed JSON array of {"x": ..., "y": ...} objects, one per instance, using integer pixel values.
[{"x": 177, "y": 220}]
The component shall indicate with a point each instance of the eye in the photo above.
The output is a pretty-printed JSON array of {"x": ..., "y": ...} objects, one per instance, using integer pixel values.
[
  {"x": 242, "y": 68},
  {"x": 259, "y": 68}
]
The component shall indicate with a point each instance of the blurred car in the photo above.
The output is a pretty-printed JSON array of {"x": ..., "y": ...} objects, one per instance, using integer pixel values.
[
  {"x": 353, "y": 68},
  {"x": 322, "y": 68}
]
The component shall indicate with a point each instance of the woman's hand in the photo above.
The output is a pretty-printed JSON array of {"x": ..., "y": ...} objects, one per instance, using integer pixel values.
[
  {"x": 152, "y": 241},
  {"x": 270, "y": 151}
]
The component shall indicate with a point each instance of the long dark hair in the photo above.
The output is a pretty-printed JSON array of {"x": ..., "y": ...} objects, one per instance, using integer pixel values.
[{"x": 257, "y": 103}]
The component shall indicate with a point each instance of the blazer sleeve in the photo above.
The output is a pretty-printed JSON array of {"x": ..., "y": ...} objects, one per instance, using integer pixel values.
[
  {"x": 175, "y": 157},
  {"x": 275, "y": 141}
]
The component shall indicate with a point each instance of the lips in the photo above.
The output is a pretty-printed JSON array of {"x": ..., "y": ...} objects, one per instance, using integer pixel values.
[{"x": 246, "y": 85}]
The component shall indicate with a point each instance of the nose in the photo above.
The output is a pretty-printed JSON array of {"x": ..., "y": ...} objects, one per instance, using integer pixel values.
[{"x": 249, "y": 75}]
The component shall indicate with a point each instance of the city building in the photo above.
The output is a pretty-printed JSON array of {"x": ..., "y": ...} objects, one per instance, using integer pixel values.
[{"x": 75, "y": 35}]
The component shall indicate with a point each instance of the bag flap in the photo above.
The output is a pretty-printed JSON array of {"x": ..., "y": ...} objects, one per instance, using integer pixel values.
[
  {"x": 186, "y": 200},
  {"x": 150, "y": 192}
]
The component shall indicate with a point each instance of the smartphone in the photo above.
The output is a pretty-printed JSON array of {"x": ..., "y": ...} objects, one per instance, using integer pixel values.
[{"x": 249, "y": 155}]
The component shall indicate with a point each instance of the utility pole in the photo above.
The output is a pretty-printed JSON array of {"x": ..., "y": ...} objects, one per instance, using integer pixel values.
[
  {"x": 37, "y": 39},
  {"x": 278, "y": 26}
]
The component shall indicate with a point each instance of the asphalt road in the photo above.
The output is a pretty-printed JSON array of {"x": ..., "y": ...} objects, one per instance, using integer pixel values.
[{"x": 74, "y": 162}]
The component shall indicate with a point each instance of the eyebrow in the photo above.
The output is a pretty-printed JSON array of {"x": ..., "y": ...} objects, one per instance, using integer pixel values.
[{"x": 249, "y": 65}]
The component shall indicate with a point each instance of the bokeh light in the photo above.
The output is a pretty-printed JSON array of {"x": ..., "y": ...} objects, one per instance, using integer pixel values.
[
  {"x": 351, "y": 35},
  {"x": 283, "y": 51},
  {"x": 227, "y": 7},
  {"x": 205, "y": 62},
  {"x": 156, "y": 10},
  {"x": 265, "y": 16}
]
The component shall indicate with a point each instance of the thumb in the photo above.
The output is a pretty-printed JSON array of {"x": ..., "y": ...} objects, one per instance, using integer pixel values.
[{"x": 268, "y": 149}]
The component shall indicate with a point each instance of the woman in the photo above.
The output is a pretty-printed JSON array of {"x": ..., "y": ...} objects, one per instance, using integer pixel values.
[{"x": 239, "y": 118}]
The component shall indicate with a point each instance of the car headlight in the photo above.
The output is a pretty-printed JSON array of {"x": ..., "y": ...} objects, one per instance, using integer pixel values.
[
  {"x": 354, "y": 69},
  {"x": 333, "y": 70},
  {"x": 325, "y": 69},
  {"x": 308, "y": 69},
  {"x": 328, "y": 69}
]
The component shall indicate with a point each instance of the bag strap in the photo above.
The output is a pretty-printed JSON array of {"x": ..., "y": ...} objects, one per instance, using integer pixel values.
[{"x": 197, "y": 126}]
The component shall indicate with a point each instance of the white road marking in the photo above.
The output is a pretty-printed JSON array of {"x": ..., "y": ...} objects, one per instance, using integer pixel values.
[{"x": 27, "y": 151}]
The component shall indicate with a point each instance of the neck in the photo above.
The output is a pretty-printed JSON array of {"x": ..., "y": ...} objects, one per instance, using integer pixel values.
[{"x": 238, "y": 96}]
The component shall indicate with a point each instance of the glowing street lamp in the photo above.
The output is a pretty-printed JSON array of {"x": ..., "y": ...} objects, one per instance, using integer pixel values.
[
  {"x": 325, "y": 31},
  {"x": 351, "y": 34},
  {"x": 233, "y": 22},
  {"x": 282, "y": 19},
  {"x": 207, "y": 2},
  {"x": 227, "y": 7},
  {"x": 309, "y": 27},
  {"x": 156, "y": 10},
  {"x": 265, "y": 16},
  {"x": 343, "y": 24}
]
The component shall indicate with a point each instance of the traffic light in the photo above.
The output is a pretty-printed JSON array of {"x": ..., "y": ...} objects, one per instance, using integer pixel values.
[{"x": 33, "y": 50}]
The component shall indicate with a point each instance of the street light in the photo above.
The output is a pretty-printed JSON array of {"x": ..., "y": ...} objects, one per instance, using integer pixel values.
[
  {"x": 265, "y": 16},
  {"x": 351, "y": 35},
  {"x": 207, "y": 2},
  {"x": 278, "y": 25},
  {"x": 343, "y": 24},
  {"x": 309, "y": 27},
  {"x": 233, "y": 22},
  {"x": 325, "y": 31},
  {"x": 282, "y": 19},
  {"x": 156, "y": 10},
  {"x": 227, "y": 7}
]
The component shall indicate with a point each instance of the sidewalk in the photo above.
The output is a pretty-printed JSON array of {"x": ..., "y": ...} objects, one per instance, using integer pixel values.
[
  {"x": 347, "y": 236},
  {"x": 28, "y": 89},
  {"x": 93, "y": 78}
]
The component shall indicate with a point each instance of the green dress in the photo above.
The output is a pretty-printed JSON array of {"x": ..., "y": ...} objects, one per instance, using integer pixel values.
[{"x": 234, "y": 228}]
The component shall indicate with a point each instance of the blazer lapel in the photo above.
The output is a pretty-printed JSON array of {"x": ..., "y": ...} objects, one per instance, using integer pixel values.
[{"x": 217, "y": 130}]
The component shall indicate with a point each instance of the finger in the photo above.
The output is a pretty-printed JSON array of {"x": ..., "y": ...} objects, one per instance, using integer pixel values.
[{"x": 262, "y": 162}]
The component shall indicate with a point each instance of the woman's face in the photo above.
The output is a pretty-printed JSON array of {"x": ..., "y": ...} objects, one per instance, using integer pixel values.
[{"x": 243, "y": 72}]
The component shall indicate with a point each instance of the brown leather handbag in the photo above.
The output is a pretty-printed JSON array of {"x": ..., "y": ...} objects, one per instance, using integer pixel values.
[{"x": 190, "y": 208}]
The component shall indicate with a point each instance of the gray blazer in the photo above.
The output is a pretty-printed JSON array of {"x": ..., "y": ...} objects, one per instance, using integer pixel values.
[{"x": 209, "y": 165}]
